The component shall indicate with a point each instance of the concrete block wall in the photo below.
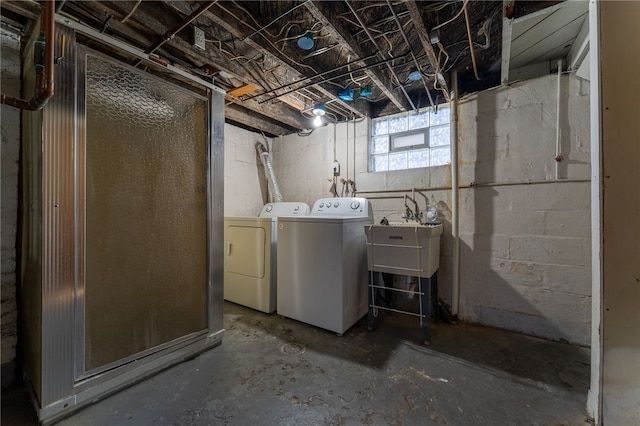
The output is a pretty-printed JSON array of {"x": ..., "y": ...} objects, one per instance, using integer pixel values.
[
  {"x": 525, "y": 248},
  {"x": 244, "y": 179},
  {"x": 10, "y": 131}
]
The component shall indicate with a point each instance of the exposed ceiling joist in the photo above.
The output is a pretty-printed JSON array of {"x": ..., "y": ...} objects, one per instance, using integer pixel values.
[
  {"x": 147, "y": 22},
  {"x": 237, "y": 45},
  {"x": 224, "y": 20},
  {"x": 418, "y": 23},
  {"x": 325, "y": 16},
  {"x": 507, "y": 29},
  {"x": 242, "y": 116}
]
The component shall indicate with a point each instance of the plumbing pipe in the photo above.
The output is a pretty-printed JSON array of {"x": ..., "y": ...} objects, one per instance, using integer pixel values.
[
  {"x": 473, "y": 53},
  {"x": 353, "y": 181},
  {"x": 455, "y": 281},
  {"x": 44, "y": 59},
  {"x": 169, "y": 35},
  {"x": 375, "y": 43},
  {"x": 274, "y": 191},
  {"x": 476, "y": 185},
  {"x": 347, "y": 129},
  {"x": 558, "y": 154}
]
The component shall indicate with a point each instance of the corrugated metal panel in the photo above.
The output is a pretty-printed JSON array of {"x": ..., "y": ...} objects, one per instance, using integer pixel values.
[
  {"x": 30, "y": 311},
  {"x": 58, "y": 231},
  {"x": 546, "y": 35},
  {"x": 216, "y": 212}
]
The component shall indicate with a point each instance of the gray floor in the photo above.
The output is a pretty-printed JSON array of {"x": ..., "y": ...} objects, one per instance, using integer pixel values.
[{"x": 271, "y": 370}]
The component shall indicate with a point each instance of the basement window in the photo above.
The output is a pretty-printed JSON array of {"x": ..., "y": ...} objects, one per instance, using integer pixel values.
[{"x": 410, "y": 140}]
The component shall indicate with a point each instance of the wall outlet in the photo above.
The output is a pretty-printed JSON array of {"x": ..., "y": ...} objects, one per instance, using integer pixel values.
[
  {"x": 198, "y": 38},
  {"x": 336, "y": 168}
]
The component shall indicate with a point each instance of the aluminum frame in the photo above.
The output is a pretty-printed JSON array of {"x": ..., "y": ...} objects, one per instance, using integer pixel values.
[{"x": 64, "y": 386}]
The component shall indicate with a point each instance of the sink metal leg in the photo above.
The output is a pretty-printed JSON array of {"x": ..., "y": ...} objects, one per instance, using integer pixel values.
[
  {"x": 434, "y": 297},
  {"x": 371, "y": 302},
  {"x": 425, "y": 302}
]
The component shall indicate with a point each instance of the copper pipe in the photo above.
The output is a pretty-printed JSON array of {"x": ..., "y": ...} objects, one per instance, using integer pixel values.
[
  {"x": 44, "y": 87},
  {"x": 473, "y": 53}
]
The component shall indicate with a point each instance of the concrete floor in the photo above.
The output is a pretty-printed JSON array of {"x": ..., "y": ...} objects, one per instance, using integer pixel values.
[{"x": 270, "y": 370}]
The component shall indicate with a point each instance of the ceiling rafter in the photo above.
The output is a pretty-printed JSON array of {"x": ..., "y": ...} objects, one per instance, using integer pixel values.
[
  {"x": 240, "y": 115},
  {"x": 284, "y": 114},
  {"x": 254, "y": 46},
  {"x": 423, "y": 35},
  {"x": 328, "y": 20},
  {"x": 221, "y": 19}
]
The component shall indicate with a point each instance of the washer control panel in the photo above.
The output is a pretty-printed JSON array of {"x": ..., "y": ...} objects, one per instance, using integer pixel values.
[
  {"x": 284, "y": 209},
  {"x": 342, "y": 206}
]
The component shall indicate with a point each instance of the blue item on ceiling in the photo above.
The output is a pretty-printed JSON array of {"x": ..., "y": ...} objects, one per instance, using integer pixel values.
[
  {"x": 305, "y": 42},
  {"x": 415, "y": 75},
  {"x": 366, "y": 90},
  {"x": 345, "y": 94},
  {"x": 318, "y": 109}
]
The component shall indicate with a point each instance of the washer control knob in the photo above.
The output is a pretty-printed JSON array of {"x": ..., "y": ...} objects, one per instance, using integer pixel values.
[
  {"x": 296, "y": 208},
  {"x": 336, "y": 204},
  {"x": 269, "y": 207},
  {"x": 321, "y": 205},
  {"x": 355, "y": 205}
]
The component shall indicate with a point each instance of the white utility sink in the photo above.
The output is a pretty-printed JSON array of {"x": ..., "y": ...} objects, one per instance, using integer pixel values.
[{"x": 404, "y": 248}]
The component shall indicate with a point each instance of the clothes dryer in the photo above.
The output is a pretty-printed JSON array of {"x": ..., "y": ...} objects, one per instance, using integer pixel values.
[
  {"x": 322, "y": 264},
  {"x": 250, "y": 255}
]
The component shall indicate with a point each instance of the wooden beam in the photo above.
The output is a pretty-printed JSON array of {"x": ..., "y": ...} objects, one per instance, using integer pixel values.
[
  {"x": 242, "y": 90},
  {"x": 325, "y": 16},
  {"x": 29, "y": 9},
  {"x": 418, "y": 23},
  {"x": 248, "y": 118},
  {"x": 139, "y": 23},
  {"x": 224, "y": 20},
  {"x": 507, "y": 28}
]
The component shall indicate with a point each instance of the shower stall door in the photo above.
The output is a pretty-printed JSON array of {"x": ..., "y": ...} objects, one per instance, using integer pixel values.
[
  {"x": 122, "y": 227},
  {"x": 145, "y": 257}
]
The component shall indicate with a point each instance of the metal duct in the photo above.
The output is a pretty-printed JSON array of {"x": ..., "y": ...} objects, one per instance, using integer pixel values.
[{"x": 274, "y": 190}]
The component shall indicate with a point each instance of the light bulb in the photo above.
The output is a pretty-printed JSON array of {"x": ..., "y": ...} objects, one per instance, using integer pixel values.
[{"x": 317, "y": 121}]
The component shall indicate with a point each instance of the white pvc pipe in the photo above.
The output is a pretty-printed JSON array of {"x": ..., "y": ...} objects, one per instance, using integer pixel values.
[
  {"x": 557, "y": 158},
  {"x": 455, "y": 280}
]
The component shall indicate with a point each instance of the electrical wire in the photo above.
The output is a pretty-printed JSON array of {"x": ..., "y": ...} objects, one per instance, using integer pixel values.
[
  {"x": 460, "y": 12},
  {"x": 259, "y": 30}
]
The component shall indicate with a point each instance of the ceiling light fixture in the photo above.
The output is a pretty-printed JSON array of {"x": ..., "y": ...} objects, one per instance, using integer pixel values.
[
  {"x": 366, "y": 90},
  {"x": 415, "y": 75},
  {"x": 345, "y": 94},
  {"x": 318, "y": 110},
  {"x": 305, "y": 41}
]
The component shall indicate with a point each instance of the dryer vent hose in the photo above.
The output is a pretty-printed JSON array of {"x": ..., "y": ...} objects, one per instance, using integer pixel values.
[{"x": 274, "y": 190}]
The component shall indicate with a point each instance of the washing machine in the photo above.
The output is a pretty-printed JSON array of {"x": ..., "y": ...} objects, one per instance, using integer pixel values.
[
  {"x": 250, "y": 255},
  {"x": 322, "y": 264}
]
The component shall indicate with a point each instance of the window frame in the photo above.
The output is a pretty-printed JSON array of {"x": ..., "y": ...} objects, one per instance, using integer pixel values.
[
  {"x": 424, "y": 145},
  {"x": 374, "y": 157}
]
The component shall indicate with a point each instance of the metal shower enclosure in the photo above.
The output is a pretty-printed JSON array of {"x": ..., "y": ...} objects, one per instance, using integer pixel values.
[{"x": 122, "y": 228}]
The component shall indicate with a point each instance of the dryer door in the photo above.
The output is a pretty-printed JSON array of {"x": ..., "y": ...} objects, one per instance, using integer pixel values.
[{"x": 245, "y": 251}]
